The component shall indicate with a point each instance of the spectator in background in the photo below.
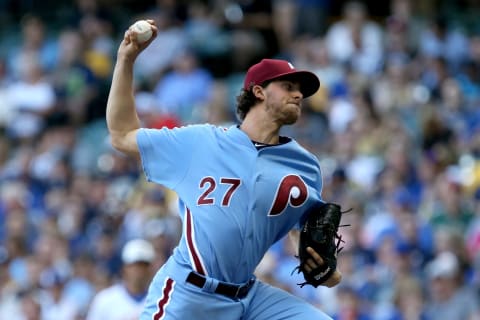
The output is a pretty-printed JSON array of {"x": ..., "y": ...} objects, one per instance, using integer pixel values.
[
  {"x": 80, "y": 287},
  {"x": 451, "y": 208},
  {"x": 469, "y": 74},
  {"x": 311, "y": 17},
  {"x": 108, "y": 260},
  {"x": 150, "y": 113},
  {"x": 448, "y": 297},
  {"x": 125, "y": 300},
  {"x": 439, "y": 40},
  {"x": 316, "y": 57},
  {"x": 468, "y": 86},
  {"x": 207, "y": 38},
  {"x": 185, "y": 90},
  {"x": 6, "y": 109},
  {"x": 74, "y": 82},
  {"x": 252, "y": 30},
  {"x": 472, "y": 236},
  {"x": 34, "y": 44},
  {"x": 56, "y": 305},
  {"x": 395, "y": 91},
  {"x": 356, "y": 40},
  {"x": 32, "y": 98},
  {"x": 96, "y": 33},
  {"x": 408, "y": 300},
  {"x": 459, "y": 96},
  {"x": 30, "y": 306},
  {"x": 450, "y": 240},
  {"x": 305, "y": 19},
  {"x": 350, "y": 305},
  {"x": 401, "y": 28},
  {"x": 171, "y": 41},
  {"x": 150, "y": 204},
  {"x": 78, "y": 10}
]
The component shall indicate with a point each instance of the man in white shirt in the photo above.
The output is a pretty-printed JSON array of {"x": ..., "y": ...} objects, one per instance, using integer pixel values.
[{"x": 124, "y": 300}]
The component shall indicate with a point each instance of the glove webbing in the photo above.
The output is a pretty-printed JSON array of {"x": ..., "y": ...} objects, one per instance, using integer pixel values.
[{"x": 331, "y": 229}]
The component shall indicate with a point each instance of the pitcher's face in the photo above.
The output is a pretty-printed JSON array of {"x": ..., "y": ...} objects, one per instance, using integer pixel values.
[{"x": 283, "y": 101}]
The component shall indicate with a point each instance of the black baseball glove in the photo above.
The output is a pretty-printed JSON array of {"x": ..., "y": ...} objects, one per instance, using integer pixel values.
[{"x": 320, "y": 232}]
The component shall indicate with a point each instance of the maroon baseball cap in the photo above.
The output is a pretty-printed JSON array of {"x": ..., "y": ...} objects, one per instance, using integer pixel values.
[{"x": 272, "y": 69}]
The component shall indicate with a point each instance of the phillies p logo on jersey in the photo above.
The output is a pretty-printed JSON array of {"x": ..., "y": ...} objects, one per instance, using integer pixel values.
[{"x": 292, "y": 191}]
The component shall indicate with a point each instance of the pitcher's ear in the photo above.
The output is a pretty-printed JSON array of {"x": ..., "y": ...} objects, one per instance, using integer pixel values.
[{"x": 258, "y": 92}]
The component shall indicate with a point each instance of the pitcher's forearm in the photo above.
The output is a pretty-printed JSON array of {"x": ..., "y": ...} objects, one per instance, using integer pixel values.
[
  {"x": 122, "y": 119},
  {"x": 121, "y": 113}
]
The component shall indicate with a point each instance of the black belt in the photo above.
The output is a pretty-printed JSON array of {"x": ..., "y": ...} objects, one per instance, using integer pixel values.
[{"x": 226, "y": 289}]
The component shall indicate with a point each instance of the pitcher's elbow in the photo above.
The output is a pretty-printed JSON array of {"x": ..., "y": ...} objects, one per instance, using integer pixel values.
[
  {"x": 116, "y": 142},
  {"x": 125, "y": 143}
]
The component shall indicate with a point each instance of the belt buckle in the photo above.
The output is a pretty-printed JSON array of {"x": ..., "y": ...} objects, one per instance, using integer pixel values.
[
  {"x": 237, "y": 294},
  {"x": 242, "y": 291}
]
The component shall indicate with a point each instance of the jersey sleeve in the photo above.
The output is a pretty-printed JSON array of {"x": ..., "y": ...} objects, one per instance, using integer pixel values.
[{"x": 167, "y": 153}]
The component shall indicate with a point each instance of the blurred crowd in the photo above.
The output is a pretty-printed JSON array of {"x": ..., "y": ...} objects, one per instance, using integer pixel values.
[{"x": 395, "y": 125}]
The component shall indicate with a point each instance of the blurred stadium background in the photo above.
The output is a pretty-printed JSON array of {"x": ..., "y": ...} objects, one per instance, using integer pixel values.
[{"x": 395, "y": 125}]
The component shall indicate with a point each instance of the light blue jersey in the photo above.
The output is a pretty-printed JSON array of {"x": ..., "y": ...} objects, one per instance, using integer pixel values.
[{"x": 236, "y": 201}]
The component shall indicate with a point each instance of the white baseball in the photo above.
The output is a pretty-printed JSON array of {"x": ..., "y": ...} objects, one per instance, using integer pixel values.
[{"x": 143, "y": 30}]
